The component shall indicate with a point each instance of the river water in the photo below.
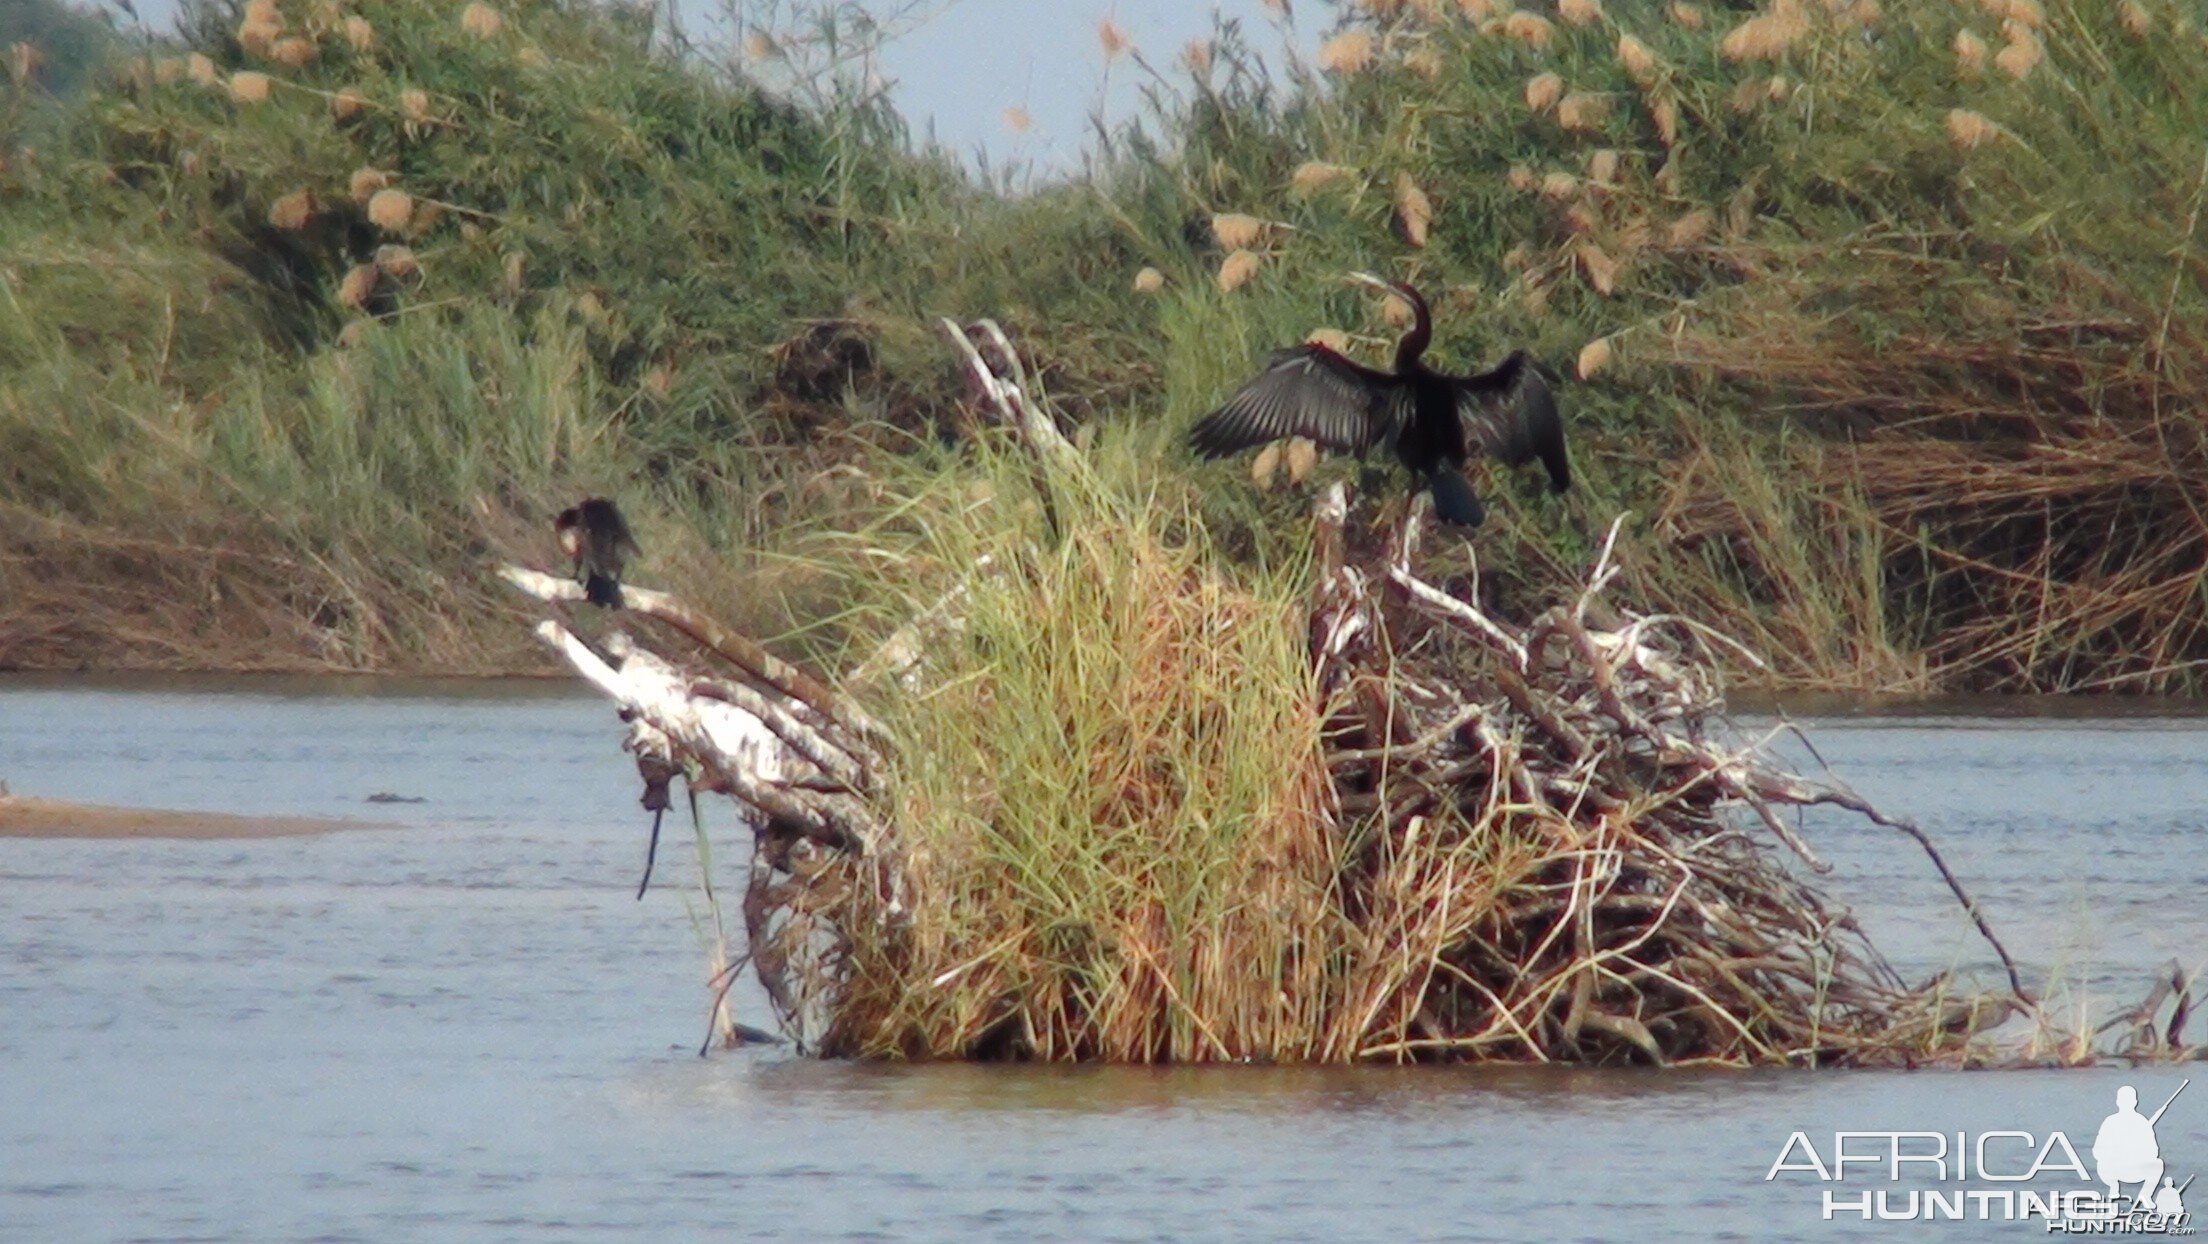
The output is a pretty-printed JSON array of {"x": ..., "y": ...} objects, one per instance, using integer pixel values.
[{"x": 462, "y": 1026}]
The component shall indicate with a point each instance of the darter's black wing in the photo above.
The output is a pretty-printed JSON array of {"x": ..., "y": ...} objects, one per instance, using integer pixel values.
[
  {"x": 1510, "y": 413},
  {"x": 1311, "y": 392}
]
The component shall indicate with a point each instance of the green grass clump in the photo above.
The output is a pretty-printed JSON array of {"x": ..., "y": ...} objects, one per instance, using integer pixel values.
[{"x": 1116, "y": 826}]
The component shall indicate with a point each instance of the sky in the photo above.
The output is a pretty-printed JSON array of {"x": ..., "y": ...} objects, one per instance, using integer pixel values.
[{"x": 976, "y": 58}]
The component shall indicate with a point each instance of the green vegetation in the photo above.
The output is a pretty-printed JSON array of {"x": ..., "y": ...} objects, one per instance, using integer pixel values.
[
  {"x": 1114, "y": 695},
  {"x": 1898, "y": 313},
  {"x": 1138, "y": 798},
  {"x": 68, "y": 44}
]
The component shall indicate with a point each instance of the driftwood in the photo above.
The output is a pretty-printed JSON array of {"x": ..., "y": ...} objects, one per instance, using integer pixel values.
[{"x": 1658, "y": 922}]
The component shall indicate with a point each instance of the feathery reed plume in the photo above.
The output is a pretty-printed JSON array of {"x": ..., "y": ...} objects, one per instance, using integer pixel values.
[
  {"x": 1529, "y": 28},
  {"x": 1238, "y": 270},
  {"x": 1347, "y": 52},
  {"x": 1235, "y": 231},
  {"x": 1582, "y": 110},
  {"x": 257, "y": 38},
  {"x": 1600, "y": 267},
  {"x": 293, "y": 52},
  {"x": 1559, "y": 186},
  {"x": 347, "y": 104},
  {"x": 249, "y": 87},
  {"x": 1424, "y": 61},
  {"x": 2137, "y": 22},
  {"x": 414, "y": 102},
  {"x": 1394, "y": 312},
  {"x": 1768, "y": 35},
  {"x": 1332, "y": 338},
  {"x": 1665, "y": 112},
  {"x": 1111, "y": 38},
  {"x": 365, "y": 181},
  {"x": 1691, "y": 228},
  {"x": 481, "y": 20},
  {"x": 293, "y": 211},
  {"x": 1413, "y": 210},
  {"x": 2019, "y": 57},
  {"x": 1018, "y": 119},
  {"x": 201, "y": 69},
  {"x": 397, "y": 262},
  {"x": 1314, "y": 174},
  {"x": 1689, "y": 16},
  {"x": 1543, "y": 90},
  {"x": 1971, "y": 53},
  {"x": 1969, "y": 129},
  {"x": 1265, "y": 465},
  {"x": 358, "y": 286},
  {"x": 1639, "y": 62},
  {"x": 1149, "y": 281},
  {"x": 1580, "y": 12},
  {"x": 391, "y": 210},
  {"x": 1602, "y": 166},
  {"x": 1521, "y": 178},
  {"x": 360, "y": 34},
  {"x": 1593, "y": 357}
]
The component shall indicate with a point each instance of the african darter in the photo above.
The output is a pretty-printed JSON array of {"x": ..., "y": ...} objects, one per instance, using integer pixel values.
[{"x": 1430, "y": 420}]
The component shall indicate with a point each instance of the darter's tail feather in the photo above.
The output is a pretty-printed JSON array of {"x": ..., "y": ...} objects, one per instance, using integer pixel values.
[{"x": 1454, "y": 500}]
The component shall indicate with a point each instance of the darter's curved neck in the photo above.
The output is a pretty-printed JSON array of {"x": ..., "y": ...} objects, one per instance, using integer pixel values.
[{"x": 1421, "y": 335}]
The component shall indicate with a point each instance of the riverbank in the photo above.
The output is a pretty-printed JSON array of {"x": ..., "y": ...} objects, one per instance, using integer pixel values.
[{"x": 1885, "y": 324}]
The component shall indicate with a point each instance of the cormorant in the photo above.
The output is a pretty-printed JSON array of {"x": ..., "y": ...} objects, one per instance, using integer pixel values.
[
  {"x": 1428, "y": 419},
  {"x": 596, "y": 536}
]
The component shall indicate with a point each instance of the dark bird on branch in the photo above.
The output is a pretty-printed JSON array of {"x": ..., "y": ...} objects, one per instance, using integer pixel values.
[
  {"x": 597, "y": 537},
  {"x": 1431, "y": 421}
]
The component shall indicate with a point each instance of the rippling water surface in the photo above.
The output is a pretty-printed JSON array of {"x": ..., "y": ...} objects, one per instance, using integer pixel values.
[{"x": 462, "y": 1027}]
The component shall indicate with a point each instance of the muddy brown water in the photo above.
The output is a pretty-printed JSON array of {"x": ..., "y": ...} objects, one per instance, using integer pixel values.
[{"x": 465, "y": 1028}]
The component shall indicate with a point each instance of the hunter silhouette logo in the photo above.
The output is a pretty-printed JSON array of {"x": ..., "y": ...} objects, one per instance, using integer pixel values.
[
  {"x": 2125, "y": 1152},
  {"x": 2009, "y": 1175}
]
